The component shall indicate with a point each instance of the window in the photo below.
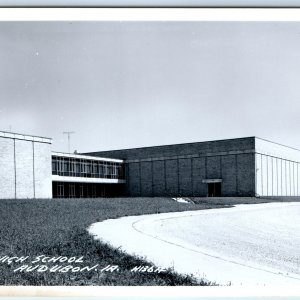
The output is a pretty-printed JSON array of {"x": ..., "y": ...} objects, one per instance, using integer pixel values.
[
  {"x": 81, "y": 189},
  {"x": 72, "y": 193},
  {"x": 68, "y": 166},
  {"x": 60, "y": 190}
]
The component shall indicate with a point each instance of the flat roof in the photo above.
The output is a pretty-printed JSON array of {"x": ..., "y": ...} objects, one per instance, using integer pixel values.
[
  {"x": 25, "y": 137},
  {"x": 178, "y": 144},
  {"x": 199, "y": 142},
  {"x": 80, "y": 156}
]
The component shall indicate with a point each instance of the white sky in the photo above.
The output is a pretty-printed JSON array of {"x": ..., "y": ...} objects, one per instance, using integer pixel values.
[{"x": 133, "y": 84}]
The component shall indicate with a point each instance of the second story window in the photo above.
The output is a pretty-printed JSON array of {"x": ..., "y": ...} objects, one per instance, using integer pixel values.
[{"x": 76, "y": 167}]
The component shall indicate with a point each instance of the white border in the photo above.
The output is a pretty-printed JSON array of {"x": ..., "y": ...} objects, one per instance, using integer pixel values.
[
  {"x": 149, "y": 293},
  {"x": 149, "y": 14},
  {"x": 149, "y": 3},
  {"x": 152, "y": 14}
]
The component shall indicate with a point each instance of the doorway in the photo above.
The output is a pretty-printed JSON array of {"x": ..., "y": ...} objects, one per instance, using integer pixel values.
[{"x": 214, "y": 189}]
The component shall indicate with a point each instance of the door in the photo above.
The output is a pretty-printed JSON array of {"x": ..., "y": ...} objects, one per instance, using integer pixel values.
[{"x": 214, "y": 189}]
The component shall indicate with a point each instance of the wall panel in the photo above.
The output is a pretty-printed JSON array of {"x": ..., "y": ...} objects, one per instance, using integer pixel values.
[
  {"x": 172, "y": 177},
  {"x": 284, "y": 178},
  {"x": 246, "y": 174},
  {"x": 279, "y": 170},
  {"x": 229, "y": 175},
  {"x": 134, "y": 183},
  {"x": 185, "y": 177},
  {"x": 42, "y": 170},
  {"x": 158, "y": 178},
  {"x": 292, "y": 178},
  {"x": 288, "y": 173},
  {"x": 213, "y": 167},
  {"x": 270, "y": 175},
  {"x": 7, "y": 169},
  {"x": 199, "y": 188},
  {"x": 264, "y": 170},
  {"x": 258, "y": 170},
  {"x": 146, "y": 179},
  {"x": 24, "y": 169},
  {"x": 275, "y": 177}
]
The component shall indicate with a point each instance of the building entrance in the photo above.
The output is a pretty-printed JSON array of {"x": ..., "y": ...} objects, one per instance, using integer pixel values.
[{"x": 214, "y": 189}]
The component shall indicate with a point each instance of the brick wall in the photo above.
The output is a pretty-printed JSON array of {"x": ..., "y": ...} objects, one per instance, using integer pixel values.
[
  {"x": 183, "y": 177},
  {"x": 178, "y": 170}
]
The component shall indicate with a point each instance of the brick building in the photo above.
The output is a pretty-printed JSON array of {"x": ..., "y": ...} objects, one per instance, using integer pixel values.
[{"x": 234, "y": 167}]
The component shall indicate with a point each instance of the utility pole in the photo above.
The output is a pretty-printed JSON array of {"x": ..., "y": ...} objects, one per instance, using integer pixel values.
[{"x": 69, "y": 138}]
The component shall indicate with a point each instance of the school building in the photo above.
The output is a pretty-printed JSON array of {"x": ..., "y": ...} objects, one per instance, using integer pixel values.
[{"x": 238, "y": 167}]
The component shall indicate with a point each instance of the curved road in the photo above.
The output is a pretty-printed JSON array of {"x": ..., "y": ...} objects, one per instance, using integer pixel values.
[{"x": 245, "y": 245}]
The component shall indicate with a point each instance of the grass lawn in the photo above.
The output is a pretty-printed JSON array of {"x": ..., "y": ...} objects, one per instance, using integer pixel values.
[{"x": 57, "y": 227}]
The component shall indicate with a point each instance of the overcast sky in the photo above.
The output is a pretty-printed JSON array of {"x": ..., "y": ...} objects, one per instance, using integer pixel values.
[{"x": 132, "y": 84}]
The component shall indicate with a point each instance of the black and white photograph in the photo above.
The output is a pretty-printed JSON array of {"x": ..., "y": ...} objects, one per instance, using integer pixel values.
[{"x": 150, "y": 153}]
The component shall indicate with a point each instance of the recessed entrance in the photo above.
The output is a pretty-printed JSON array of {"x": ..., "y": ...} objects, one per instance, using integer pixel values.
[{"x": 214, "y": 189}]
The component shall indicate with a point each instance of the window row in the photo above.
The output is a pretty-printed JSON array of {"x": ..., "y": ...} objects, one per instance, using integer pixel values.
[{"x": 74, "y": 167}]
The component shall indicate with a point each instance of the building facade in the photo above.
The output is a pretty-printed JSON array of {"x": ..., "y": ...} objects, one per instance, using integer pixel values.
[
  {"x": 217, "y": 168},
  {"x": 226, "y": 168},
  {"x": 82, "y": 176},
  {"x": 25, "y": 166},
  {"x": 277, "y": 169},
  {"x": 234, "y": 167}
]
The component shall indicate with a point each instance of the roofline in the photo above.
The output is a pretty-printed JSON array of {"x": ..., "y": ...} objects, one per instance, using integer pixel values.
[
  {"x": 248, "y": 137},
  {"x": 25, "y": 137},
  {"x": 277, "y": 143},
  {"x": 83, "y": 156},
  {"x": 25, "y": 134}
]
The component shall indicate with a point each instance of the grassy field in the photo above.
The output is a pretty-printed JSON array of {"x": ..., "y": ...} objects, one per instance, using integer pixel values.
[{"x": 57, "y": 227}]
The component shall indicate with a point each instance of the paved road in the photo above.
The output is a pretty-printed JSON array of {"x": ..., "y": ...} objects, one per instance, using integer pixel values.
[{"x": 245, "y": 245}]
